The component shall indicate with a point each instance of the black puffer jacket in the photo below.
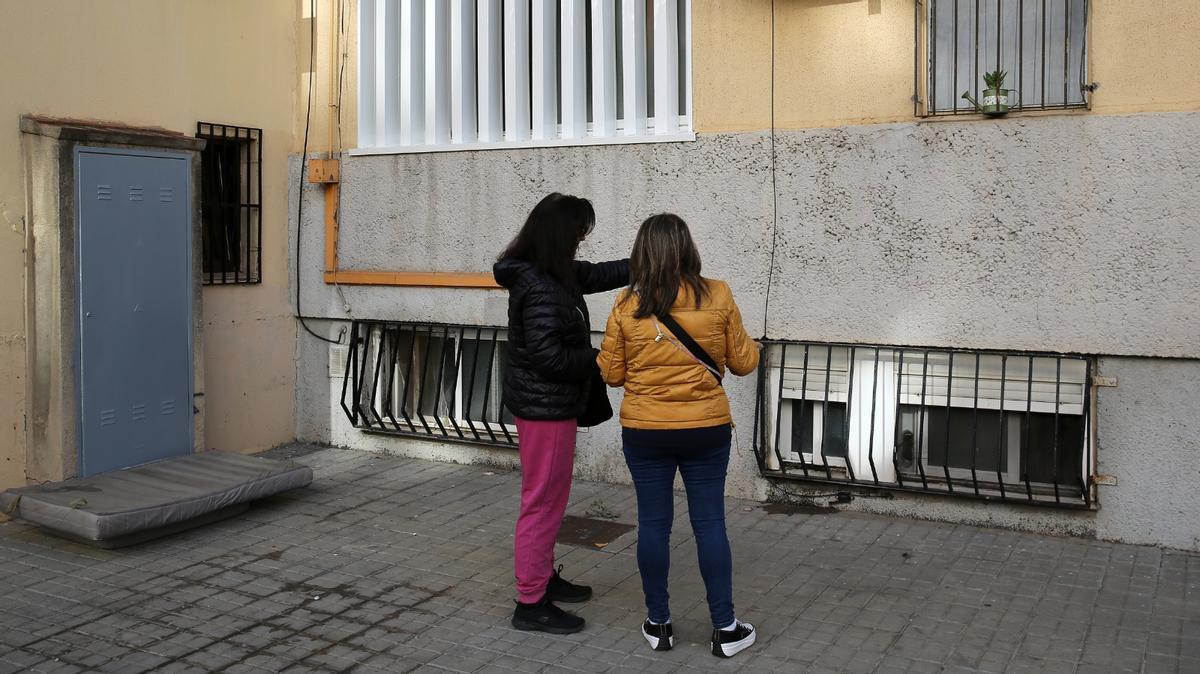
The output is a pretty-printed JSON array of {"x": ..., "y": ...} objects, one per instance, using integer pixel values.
[{"x": 550, "y": 354}]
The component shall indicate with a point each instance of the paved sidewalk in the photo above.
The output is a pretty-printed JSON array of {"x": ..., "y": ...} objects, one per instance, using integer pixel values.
[{"x": 388, "y": 564}]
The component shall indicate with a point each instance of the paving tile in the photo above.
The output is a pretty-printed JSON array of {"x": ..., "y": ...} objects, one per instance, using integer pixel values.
[{"x": 387, "y": 564}]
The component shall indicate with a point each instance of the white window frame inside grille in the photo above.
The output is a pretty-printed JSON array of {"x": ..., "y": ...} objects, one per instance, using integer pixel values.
[
  {"x": 873, "y": 392},
  {"x": 473, "y": 76}
]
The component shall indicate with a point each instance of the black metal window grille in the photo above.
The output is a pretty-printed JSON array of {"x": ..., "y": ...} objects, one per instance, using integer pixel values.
[
  {"x": 982, "y": 424},
  {"x": 427, "y": 379},
  {"x": 1040, "y": 44},
  {"x": 231, "y": 203}
]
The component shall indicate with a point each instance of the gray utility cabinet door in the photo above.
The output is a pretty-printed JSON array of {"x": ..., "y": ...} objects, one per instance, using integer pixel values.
[{"x": 135, "y": 307}]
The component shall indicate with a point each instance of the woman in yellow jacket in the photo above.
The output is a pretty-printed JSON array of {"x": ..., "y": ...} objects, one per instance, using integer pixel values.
[{"x": 675, "y": 415}]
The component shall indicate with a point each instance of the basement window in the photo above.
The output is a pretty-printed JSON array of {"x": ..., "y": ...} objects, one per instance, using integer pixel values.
[
  {"x": 479, "y": 74},
  {"x": 1041, "y": 45},
  {"x": 428, "y": 379},
  {"x": 993, "y": 425},
  {"x": 231, "y": 204}
]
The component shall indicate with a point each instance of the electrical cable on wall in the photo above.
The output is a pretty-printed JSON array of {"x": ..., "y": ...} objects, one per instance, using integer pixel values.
[
  {"x": 341, "y": 79},
  {"x": 312, "y": 48},
  {"x": 774, "y": 187}
]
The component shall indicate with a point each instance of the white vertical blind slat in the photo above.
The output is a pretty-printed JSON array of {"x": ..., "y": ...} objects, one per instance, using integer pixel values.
[
  {"x": 516, "y": 70},
  {"x": 604, "y": 68},
  {"x": 437, "y": 72},
  {"x": 633, "y": 67},
  {"x": 574, "y": 69},
  {"x": 666, "y": 66},
  {"x": 544, "y": 47},
  {"x": 462, "y": 71},
  {"x": 412, "y": 72},
  {"x": 490, "y": 78},
  {"x": 366, "y": 74},
  {"x": 387, "y": 49}
]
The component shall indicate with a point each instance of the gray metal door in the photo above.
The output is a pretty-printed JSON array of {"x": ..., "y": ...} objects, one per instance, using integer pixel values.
[{"x": 134, "y": 228}]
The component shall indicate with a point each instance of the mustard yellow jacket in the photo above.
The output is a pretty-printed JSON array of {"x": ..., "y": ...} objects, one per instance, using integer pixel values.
[{"x": 665, "y": 387}]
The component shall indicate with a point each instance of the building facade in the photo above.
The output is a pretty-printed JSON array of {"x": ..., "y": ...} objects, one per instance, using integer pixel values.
[
  {"x": 970, "y": 318},
  {"x": 868, "y": 221}
]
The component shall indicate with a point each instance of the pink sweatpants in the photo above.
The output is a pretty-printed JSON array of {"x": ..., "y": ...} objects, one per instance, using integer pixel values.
[{"x": 547, "y": 454}]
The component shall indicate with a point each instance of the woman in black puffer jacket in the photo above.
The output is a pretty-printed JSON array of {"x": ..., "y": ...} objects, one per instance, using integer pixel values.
[{"x": 550, "y": 362}]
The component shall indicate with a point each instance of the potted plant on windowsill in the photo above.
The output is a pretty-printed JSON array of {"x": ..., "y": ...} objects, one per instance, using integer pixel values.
[{"x": 995, "y": 96}]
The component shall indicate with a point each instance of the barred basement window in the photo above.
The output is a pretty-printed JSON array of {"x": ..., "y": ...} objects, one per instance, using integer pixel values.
[
  {"x": 474, "y": 74},
  {"x": 1040, "y": 44},
  {"x": 1008, "y": 426},
  {"x": 231, "y": 203},
  {"x": 428, "y": 379}
]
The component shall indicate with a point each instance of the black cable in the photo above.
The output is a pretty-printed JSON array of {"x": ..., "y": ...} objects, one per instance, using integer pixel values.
[
  {"x": 774, "y": 186},
  {"x": 312, "y": 53}
]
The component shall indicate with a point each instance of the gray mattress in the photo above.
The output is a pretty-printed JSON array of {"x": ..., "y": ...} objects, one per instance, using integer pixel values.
[{"x": 158, "y": 497}]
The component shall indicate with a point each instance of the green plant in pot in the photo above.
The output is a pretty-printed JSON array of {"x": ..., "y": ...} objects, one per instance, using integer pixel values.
[{"x": 994, "y": 100}]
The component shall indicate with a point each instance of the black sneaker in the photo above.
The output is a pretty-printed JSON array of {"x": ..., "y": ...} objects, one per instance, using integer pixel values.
[
  {"x": 728, "y": 643},
  {"x": 545, "y": 617},
  {"x": 568, "y": 593},
  {"x": 661, "y": 637}
]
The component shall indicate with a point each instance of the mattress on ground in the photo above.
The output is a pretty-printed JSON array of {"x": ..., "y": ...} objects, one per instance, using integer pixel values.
[{"x": 156, "y": 496}]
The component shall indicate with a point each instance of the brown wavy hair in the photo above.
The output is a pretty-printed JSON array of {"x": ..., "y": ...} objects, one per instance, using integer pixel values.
[{"x": 664, "y": 258}]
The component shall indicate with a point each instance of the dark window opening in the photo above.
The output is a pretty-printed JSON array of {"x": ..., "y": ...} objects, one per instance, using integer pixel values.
[
  {"x": 824, "y": 421},
  {"x": 231, "y": 204}
]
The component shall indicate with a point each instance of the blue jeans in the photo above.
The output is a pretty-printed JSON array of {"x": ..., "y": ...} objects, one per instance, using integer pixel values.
[{"x": 652, "y": 465}]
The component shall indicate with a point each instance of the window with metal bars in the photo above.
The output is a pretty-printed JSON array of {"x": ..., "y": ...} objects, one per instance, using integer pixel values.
[
  {"x": 1041, "y": 45},
  {"x": 992, "y": 425},
  {"x": 428, "y": 379},
  {"x": 469, "y": 74},
  {"x": 231, "y": 203}
]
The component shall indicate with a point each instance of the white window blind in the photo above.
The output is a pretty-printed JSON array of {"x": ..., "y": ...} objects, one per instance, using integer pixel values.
[{"x": 474, "y": 74}]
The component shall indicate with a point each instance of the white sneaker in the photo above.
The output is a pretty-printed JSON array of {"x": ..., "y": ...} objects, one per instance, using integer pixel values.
[{"x": 728, "y": 643}]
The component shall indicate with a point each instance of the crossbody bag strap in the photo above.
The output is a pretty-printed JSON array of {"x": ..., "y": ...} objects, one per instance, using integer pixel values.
[{"x": 690, "y": 344}]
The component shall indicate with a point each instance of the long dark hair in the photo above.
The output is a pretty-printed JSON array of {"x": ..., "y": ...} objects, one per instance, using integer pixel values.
[
  {"x": 664, "y": 258},
  {"x": 551, "y": 234}
]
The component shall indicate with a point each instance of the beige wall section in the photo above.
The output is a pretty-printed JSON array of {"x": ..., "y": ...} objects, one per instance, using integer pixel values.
[
  {"x": 154, "y": 63},
  {"x": 843, "y": 62},
  {"x": 327, "y": 60},
  {"x": 1144, "y": 55},
  {"x": 837, "y": 62},
  {"x": 731, "y": 65}
]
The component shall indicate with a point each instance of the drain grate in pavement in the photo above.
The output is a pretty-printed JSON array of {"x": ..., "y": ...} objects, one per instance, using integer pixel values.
[{"x": 590, "y": 533}]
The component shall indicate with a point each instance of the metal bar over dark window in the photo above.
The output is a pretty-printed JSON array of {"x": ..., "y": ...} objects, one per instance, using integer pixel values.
[
  {"x": 968, "y": 38},
  {"x": 952, "y": 421},
  {"x": 231, "y": 203},
  {"x": 428, "y": 380}
]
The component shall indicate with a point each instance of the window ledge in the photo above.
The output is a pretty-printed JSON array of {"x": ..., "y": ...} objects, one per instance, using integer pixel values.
[
  {"x": 678, "y": 137},
  {"x": 1073, "y": 111}
]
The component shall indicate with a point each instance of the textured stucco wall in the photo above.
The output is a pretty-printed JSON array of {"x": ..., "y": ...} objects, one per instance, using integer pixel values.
[
  {"x": 1150, "y": 441},
  {"x": 1067, "y": 233},
  {"x": 1073, "y": 234}
]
